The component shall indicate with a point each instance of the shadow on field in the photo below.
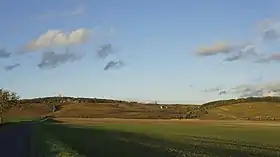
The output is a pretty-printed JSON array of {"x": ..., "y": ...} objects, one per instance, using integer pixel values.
[
  {"x": 95, "y": 141},
  {"x": 6, "y": 124},
  {"x": 15, "y": 139},
  {"x": 11, "y": 125}
]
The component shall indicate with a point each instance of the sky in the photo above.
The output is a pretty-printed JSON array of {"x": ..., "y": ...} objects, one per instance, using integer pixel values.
[{"x": 188, "y": 52}]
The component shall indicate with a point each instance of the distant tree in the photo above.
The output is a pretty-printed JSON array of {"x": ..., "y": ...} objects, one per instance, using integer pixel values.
[
  {"x": 7, "y": 100},
  {"x": 54, "y": 103}
]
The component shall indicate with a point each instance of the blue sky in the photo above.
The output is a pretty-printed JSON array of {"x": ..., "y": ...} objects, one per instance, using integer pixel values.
[{"x": 157, "y": 41}]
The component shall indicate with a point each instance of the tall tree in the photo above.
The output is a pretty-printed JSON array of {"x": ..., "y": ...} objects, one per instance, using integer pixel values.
[{"x": 8, "y": 99}]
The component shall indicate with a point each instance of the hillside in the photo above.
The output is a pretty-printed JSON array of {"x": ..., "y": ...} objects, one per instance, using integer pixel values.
[
  {"x": 96, "y": 108},
  {"x": 253, "y": 108},
  {"x": 263, "y": 108},
  {"x": 28, "y": 111},
  {"x": 245, "y": 111},
  {"x": 121, "y": 110}
]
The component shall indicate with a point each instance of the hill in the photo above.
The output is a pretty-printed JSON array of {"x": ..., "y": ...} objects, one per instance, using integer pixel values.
[
  {"x": 245, "y": 111},
  {"x": 96, "y": 108},
  {"x": 252, "y": 108},
  {"x": 256, "y": 108}
]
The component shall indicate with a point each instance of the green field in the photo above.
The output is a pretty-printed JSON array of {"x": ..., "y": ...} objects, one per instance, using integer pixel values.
[{"x": 110, "y": 139}]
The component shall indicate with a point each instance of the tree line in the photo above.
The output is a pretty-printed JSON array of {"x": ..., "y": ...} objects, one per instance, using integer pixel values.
[{"x": 70, "y": 99}]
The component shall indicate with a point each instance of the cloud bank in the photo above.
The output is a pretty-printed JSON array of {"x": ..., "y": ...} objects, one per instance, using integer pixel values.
[
  {"x": 53, "y": 39},
  {"x": 262, "y": 89},
  {"x": 269, "y": 30},
  {"x": 253, "y": 90}
]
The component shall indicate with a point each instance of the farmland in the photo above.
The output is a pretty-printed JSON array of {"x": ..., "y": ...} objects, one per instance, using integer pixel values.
[
  {"x": 99, "y": 127},
  {"x": 115, "y": 137}
]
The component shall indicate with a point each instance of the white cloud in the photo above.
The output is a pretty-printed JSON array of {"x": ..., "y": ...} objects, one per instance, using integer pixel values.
[{"x": 54, "y": 38}]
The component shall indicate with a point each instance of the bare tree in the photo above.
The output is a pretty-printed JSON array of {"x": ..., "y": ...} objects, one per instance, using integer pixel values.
[{"x": 7, "y": 100}]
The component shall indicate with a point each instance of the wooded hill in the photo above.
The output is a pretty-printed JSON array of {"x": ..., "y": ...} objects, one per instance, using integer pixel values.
[{"x": 253, "y": 108}]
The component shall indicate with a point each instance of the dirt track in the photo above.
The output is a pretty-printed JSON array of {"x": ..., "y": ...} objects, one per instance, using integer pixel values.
[
  {"x": 15, "y": 140},
  {"x": 182, "y": 121}
]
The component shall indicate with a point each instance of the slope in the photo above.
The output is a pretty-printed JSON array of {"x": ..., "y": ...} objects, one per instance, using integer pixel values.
[
  {"x": 94, "y": 108},
  {"x": 245, "y": 111},
  {"x": 122, "y": 110}
]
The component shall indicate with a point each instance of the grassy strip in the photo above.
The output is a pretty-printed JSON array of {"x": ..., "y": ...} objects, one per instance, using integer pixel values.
[{"x": 49, "y": 146}]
